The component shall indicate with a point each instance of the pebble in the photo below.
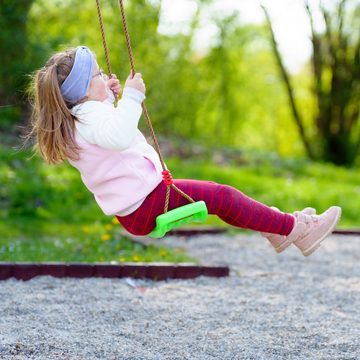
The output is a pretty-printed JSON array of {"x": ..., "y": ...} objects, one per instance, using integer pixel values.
[{"x": 271, "y": 307}]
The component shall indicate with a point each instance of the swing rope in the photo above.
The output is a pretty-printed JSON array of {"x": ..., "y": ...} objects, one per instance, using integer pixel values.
[{"x": 167, "y": 177}]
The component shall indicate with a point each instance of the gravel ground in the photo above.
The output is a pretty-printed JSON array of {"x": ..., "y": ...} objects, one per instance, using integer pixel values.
[{"x": 270, "y": 307}]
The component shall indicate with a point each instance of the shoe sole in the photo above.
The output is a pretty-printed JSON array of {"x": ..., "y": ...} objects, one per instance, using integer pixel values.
[
  {"x": 282, "y": 247},
  {"x": 316, "y": 244}
]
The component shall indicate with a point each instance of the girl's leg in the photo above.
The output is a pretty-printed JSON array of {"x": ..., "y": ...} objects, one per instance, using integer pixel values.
[{"x": 225, "y": 201}]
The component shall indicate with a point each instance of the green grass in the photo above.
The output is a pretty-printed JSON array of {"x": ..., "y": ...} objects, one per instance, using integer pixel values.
[
  {"x": 28, "y": 240},
  {"x": 46, "y": 213}
]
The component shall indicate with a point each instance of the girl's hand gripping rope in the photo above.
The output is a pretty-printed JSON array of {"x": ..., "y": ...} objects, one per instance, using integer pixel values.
[
  {"x": 136, "y": 82},
  {"x": 114, "y": 85}
]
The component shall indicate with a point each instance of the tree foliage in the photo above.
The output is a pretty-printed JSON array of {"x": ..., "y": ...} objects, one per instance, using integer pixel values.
[
  {"x": 13, "y": 47},
  {"x": 225, "y": 95},
  {"x": 188, "y": 94}
]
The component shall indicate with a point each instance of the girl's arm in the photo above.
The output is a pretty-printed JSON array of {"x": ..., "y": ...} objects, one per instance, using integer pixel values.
[{"x": 109, "y": 127}]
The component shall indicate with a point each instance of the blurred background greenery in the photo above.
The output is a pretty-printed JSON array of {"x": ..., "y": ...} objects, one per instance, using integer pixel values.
[{"x": 233, "y": 114}]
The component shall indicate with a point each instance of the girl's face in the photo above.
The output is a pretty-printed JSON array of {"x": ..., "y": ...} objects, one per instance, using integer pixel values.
[{"x": 98, "y": 85}]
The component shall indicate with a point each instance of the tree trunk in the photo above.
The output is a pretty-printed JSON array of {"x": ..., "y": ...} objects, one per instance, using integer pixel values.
[
  {"x": 334, "y": 54},
  {"x": 290, "y": 92}
]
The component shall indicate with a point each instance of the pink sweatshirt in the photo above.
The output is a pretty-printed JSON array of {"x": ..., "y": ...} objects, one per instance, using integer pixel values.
[{"x": 116, "y": 163}]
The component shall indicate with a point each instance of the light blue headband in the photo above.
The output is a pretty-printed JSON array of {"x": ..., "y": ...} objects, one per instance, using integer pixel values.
[{"x": 78, "y": 81}]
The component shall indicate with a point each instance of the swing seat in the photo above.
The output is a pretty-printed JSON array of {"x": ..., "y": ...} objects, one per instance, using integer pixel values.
[{"x": 182, "y": 215}]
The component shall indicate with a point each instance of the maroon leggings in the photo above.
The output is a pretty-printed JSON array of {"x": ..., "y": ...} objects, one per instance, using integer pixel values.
[{"x": 228, "y": 203}]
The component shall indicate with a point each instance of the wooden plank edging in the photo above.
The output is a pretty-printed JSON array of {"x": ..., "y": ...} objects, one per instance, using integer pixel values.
[
  {"x": 198, "y": 230},
  {"x": 347, "y": 232},
  {"x": 155, "y": 271},
  {"x": 217, "y": 230}
]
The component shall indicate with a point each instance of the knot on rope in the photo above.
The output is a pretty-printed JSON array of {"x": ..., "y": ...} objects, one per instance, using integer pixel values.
[{"x": 167, "y": 177}]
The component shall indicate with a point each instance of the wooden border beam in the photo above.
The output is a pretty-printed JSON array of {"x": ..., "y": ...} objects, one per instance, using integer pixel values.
[{"x": 154, "y": 271}]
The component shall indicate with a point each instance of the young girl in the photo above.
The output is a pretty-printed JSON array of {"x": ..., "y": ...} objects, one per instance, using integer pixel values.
[{"x": 74, "y": 119}]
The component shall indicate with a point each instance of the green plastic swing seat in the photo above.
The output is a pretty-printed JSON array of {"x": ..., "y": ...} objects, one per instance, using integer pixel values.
[{"x": 196, "y": 211}]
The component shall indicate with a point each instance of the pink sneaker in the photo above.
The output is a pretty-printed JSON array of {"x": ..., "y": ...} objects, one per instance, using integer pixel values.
[
  {"x": 281, "y": 242},
  {"x": 317, "y": 228}
]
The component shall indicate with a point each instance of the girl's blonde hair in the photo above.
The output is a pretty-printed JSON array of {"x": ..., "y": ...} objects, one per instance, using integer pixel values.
[{"x": 52, "y": 124}]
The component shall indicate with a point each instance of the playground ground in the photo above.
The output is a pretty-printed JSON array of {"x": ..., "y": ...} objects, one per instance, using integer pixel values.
[{"x": 270, "y": 307}]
